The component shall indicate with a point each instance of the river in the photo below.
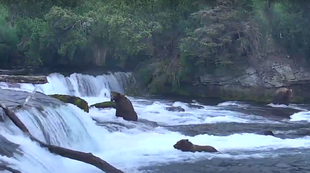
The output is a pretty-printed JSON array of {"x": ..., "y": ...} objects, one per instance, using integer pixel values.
[{"x": 231, "y": 127}]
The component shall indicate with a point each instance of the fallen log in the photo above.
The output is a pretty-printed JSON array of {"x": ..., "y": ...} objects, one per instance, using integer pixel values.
[
  {"x": 104, "y": 105},
  {"x": 23, "y": 79},
  {"x": 12, "y": 72},
  {"x": 72, "y": 154}
]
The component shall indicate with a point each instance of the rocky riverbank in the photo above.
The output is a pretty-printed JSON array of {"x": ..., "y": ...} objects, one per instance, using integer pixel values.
[{"x": 256, "y": 82}]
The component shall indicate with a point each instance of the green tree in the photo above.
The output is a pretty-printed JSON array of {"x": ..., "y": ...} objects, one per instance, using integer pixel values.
[{"x": 8, "y": 38}]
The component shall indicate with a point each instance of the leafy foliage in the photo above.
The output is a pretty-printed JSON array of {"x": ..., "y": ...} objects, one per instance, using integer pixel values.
[
  {"x": 171, "y": 42},
  {"x": 8, "y": 37}
]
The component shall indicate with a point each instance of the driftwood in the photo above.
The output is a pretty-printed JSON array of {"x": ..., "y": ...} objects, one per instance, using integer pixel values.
[
  {"x": 75, "y": 155},
  {"x": 23, "y": 79},
  {"x": 104, "y": 105}
]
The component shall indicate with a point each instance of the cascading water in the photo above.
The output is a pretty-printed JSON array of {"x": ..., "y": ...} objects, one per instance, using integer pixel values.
[
  {"x": 56, "y": 123},
  {"x": 82, "y": 85},
  {"x": 130, "y": 145}
]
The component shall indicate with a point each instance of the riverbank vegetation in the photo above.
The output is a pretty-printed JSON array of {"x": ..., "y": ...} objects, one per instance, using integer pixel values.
[{"x": 169, "y": 42}]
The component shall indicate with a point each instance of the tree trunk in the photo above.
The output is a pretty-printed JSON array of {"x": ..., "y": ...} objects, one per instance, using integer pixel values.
[
  {"x": 76, "y": 155},
  {"x": 23, "y": 79}
]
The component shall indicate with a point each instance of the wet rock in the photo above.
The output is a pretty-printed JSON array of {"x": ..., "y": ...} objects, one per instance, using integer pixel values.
[
  {"x": 147, "y": 122},
  {"x": 13, "y": 98},
  {"x": 141, "y": 124},
  {"x": 81, "y": 103},
  {"x": 195, "y": 106},
  {"x": 7, "y": 148},
  {"x": 175, "y": 109},
  {"x": 114, "y": 127},
  {"x": 13, "y": 85},
  {"x": 6, "y": 167},
  {"x": 282, "y": 165}
]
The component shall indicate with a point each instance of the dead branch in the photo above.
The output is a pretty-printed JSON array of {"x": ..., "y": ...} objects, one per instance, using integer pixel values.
[
  {"x": 23, "y": 79},
  {"x": 72, "y": 154},
  {"x": 26, "y": 100}
]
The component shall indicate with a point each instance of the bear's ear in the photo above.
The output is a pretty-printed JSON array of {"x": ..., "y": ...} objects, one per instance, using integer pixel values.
[{"x": 186, "y": 140}]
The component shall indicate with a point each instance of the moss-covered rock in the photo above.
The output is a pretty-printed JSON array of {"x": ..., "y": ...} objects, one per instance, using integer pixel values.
[
  {"x": 81, "y": 103},
  {"x": 104, "y": 105}
]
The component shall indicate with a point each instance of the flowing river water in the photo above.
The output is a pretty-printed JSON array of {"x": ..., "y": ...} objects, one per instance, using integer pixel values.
[{"x": 231, "y": 127}]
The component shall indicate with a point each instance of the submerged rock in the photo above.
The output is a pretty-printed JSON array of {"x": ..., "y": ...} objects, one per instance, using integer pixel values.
[
  {"x": 81, "y": 103},
  {"x": 266, "y": 132},
  {"x": 195, "y": 106},
  {"x": 141, "y": 124},
  {"x": 175, "y": 109},
  {"x": 7, "y": 167},
  {"x": 148, "y": 122},
  {"x": 104, "y": 105}
]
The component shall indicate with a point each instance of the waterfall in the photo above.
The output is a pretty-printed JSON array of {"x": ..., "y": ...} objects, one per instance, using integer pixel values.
[
  {"x": 59, "y": 126},
  {"x": 57, "y": 123},
  {"x": 83, "y": 85}
]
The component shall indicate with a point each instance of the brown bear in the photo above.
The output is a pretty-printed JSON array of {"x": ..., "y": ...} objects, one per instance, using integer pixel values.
[
  {"x": 283, "y": 96},
  {"x": 124, "y": 107},
  {"x": 186, "y": 145}
]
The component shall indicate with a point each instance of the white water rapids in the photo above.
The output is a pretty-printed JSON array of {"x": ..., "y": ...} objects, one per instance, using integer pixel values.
[{"x": 128, "y": 148}]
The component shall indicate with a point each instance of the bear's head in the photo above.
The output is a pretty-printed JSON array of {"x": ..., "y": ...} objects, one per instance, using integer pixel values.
[
  {"x": 114, "y": 96},
  {"x": 183, "y": 145},
  {"x": 285, "y": 92}
]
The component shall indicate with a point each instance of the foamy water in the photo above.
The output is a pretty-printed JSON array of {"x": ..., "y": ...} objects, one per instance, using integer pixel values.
[{"x": 129, "y": 148}]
